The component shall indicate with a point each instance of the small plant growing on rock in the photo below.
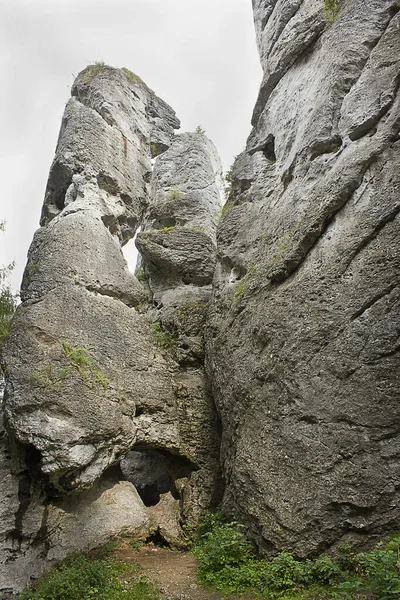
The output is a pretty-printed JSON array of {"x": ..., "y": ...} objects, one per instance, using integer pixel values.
[
  {"x": 92, "y": 71},
  {"x": 174, "y": 194},
  {"x": 169, "y": 229},
  {"x": 76, "y": 358},
  {"x": 153, "y": 150},
  {"x": 332, "y": 10},
  {"x": 130, "y": 75},
  {"x": 164, "y": 339},
  {"x": 199, "y": 130},
  {"x": 140, "y": 275}
]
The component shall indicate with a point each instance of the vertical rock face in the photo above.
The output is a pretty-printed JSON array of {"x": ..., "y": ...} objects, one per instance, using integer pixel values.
[
  {"x": 298, "y": 290},
  {"x": 302, "y": 340},
  {"x": 178, "y": 250},
  {"x": 89, "y": 372}
]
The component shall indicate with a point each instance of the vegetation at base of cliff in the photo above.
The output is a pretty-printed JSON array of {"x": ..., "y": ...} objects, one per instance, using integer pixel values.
[
  {"x": 228, "y": 564},
  {"x": 82, "y": 578}
]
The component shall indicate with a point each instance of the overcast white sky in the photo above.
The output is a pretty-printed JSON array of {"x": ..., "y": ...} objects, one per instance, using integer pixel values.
[{"x": 198, "y": 55}]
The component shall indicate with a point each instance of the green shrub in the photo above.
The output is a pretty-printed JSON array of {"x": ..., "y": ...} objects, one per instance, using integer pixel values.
[
  {"x": 82, "y": 578},
  {"x": 8, "y": 300},
  {"x": 199, "y": 130},
  {"x": 7, "y": 309},
  {"x": 76, "y": 358},
  {"x": 226, "y": 562}
]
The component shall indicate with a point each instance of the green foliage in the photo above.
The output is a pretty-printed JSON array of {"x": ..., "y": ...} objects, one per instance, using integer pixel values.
[
  {"x": 244, "y": 284},
  {"x": 332, "y": 10},
  {"x": 199, "y": 130},
  {"x": 226, "y": 562},
  {"x": 82, "y": 578},
  {"x": 8, "y": 300},
  {"x": 131, "y": 76},
  {"x": 92, "y": 71},
  {"x": 7, "y": 309},
  {"x": 262, "y": 272},
  {"x": 174, "y": 194},
  {"x": 164, "y": 339},
  {"x": 76, "y": 358},
  {"x": 168, "y": 229},
  {"x": 79, "y": 359},
  {"x": 228, "y": 183},
  {"x": 222, "y": 212},
  {"x": 140, "y": 275},
  {"x": 153, "y": 150}
]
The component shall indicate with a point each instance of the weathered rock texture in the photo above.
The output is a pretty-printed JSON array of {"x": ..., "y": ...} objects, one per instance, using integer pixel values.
[
  {"x": 178, "y": 250},
  {"x": 302, "y": 342},
  {"x": 89, "y": 375},
  {"x": 106, "y": 385}
]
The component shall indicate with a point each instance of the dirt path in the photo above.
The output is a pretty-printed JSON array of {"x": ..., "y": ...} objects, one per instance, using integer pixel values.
[{"x": 173, "y": 572}]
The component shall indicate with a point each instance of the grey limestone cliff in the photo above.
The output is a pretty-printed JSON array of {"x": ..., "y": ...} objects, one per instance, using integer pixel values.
[
  {"x": 254, "y": 361},
  {"x": 302, "y": 341},
  {"x": 89, "y": 375}
]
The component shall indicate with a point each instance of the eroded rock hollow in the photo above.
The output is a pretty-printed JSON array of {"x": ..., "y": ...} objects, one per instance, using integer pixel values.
[{"x": 256, "y": 361}]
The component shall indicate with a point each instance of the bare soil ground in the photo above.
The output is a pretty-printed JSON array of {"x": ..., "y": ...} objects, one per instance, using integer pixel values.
[{"x": 173, "y": 572}]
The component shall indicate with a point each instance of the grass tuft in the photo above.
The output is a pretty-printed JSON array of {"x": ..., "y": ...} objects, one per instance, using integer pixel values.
[{"x": 82, "y": 578}]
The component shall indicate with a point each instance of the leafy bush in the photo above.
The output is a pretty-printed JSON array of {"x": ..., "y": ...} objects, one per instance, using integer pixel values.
[
  {"x": 8, "y": 300},
  {"x": 82, "y": 578},
  {"x": 227, "y": 563}
]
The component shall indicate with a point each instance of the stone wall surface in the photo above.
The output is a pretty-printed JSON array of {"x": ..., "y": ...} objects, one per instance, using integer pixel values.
[
  {"x": 89, "y": 375},
  {"x": 258, "y": 342},
  {"x": 302, "y": 338}
]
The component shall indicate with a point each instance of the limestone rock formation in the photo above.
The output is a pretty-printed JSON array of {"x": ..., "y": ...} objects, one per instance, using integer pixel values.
[
  {"x": 89, "y": 374},
  {"x": 265, "y": 348},
  {"x": 302, "y": 341},
  {"x": 178, "y": 255}
]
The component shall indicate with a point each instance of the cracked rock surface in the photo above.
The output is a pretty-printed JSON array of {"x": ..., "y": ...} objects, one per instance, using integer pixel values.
[
  {"x": 302, "y": 339},
  {"x": 264, "y": 349},
  {"x": 89, "y": 375}
]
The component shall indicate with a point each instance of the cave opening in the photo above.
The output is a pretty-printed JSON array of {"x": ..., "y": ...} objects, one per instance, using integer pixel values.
[
  {"x": 269, "y": 148},
  {"x": 154, "y": 472}
]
